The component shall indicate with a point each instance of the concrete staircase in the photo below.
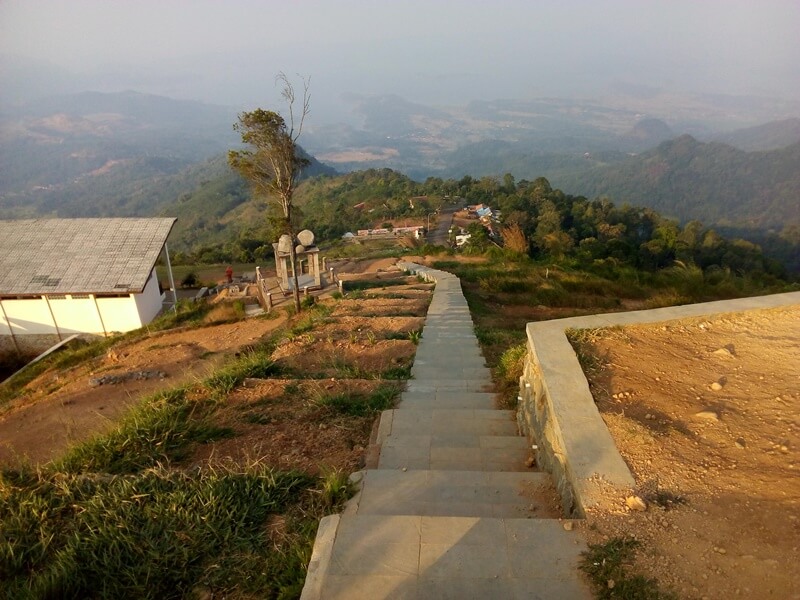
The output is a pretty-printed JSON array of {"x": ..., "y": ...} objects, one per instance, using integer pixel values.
[{"x": 450, "y": 509}]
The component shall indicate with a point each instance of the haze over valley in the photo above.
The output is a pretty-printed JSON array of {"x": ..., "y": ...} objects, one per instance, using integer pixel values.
[{"x": 692, "y": 110}]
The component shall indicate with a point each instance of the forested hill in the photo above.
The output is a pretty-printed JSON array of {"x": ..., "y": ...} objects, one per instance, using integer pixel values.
[
  {"x": 215, "y": 206},
  {"x": 711, "y": 182},
  {"x": 769, "y": 136}
]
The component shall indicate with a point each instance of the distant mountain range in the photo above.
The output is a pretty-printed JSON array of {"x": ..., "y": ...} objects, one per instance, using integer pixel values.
[
  {"x": 132, "y": 154},
  {"x": 711, "y": 182},
  {"x": 769, "y": 136},
  {"x": 524, "y": 136},
  {"x": 55, "y": 144}
]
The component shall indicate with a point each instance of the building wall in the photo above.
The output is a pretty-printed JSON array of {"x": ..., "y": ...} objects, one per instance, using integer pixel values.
[
  {"x": 150, "y": 301},
  {"x": 79, "y": 313}
]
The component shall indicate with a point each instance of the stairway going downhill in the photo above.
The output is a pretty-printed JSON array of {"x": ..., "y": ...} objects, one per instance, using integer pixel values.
[{"x": 448, "y": 508}]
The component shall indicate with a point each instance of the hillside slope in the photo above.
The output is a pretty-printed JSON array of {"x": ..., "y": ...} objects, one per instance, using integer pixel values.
[{"x": 712, "y": 182}]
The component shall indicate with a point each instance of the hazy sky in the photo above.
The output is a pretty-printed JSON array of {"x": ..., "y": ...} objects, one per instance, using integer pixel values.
[{"x": 427, "y": 51}]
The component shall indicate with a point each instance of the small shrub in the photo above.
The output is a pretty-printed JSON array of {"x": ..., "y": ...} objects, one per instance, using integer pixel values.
[
  {"x": 190, "y": 280},
  {"x": 611, "y": 562},
  {"x": 239, "y": 308},
  {"x": 582, "y": 341},
  {"x": 336, "y": 487},
  {"x": 399, "y": 372},
  {"x": 512, "y": 363}
]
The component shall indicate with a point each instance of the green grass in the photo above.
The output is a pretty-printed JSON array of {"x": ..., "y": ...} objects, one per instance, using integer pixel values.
[
  {"x": 160, "y": 533},
  {"x": 360, "y": 405},
  {"x": 509, "y": 369},
  {"x": 398, "y": 372},
  {"x": 160, "y": 430},
  {"x": 310, "y": 319},
  {"x": 608, "y": 567},
  {"x": 367, "y": 284},
  {"x": 256, "y": 363},
  {"x": 366, "y": 248}
]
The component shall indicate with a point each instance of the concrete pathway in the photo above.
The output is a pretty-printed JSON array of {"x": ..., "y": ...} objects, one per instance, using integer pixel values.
[{"x": 450, "y": 511}]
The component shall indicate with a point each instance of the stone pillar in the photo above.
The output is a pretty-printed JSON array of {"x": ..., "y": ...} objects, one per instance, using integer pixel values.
[{"x": 317, "y": 273}]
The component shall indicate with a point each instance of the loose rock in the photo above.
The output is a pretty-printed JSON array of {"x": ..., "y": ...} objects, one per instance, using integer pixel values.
[
  {"x": 708, "y": 415},
  {"x": 636, "y": 503}
]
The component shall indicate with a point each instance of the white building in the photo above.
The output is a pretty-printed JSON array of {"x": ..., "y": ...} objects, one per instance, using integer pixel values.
[{"x": 59, "y": 277}]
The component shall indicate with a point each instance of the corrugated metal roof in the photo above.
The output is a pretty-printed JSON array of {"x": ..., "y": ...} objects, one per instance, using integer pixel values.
[{"x": 79, "y": 256}]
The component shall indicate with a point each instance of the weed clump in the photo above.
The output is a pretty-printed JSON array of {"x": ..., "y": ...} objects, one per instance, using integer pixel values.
[
  {"x": 608, "y": 567},
  {"x": 359, "y": 405},
  {"x": 160, "y": 431}
]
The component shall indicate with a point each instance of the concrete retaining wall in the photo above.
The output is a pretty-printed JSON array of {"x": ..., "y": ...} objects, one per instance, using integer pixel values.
[
  {"x": 28, "y": 345},
  {"x": 557, "y": 410}
]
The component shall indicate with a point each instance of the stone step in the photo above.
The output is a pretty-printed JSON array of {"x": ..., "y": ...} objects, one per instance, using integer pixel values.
[
  {"x": 431, "y": 371},
  {"x": 376, "y": 557},
  {"x": 455, "y": 493},
  {"x": 454, "y": 452},
  {"x": 447, "y": 399},
  {"x": 466, "y": 421},
  {"x": 443, "y": 352},
  {"x": 438, "y": 345},
  {"x": 432, "y": 385}
]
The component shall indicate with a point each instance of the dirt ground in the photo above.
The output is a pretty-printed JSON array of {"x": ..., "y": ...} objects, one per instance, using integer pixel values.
[
  {"x": 365, "y": 335},
  {"x": 706, "y": 412},
  {"x": 279, "y": 422},
  {"x": 63, "y": 408}
]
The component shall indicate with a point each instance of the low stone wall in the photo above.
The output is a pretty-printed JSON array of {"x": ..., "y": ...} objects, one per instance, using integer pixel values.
[
  {"x": 428, "y": 274},
  {"x": 557, "y": 411}
]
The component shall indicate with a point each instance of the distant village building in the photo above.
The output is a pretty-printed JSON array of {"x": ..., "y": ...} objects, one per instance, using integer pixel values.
[{"x": 60, "y": 277}]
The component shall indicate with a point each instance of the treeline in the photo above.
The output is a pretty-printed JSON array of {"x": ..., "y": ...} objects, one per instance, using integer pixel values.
[
  {"x": 536, "y": 220},
  {"x": 752, "y": 191},
  {"x": 543, "y": 222}
]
